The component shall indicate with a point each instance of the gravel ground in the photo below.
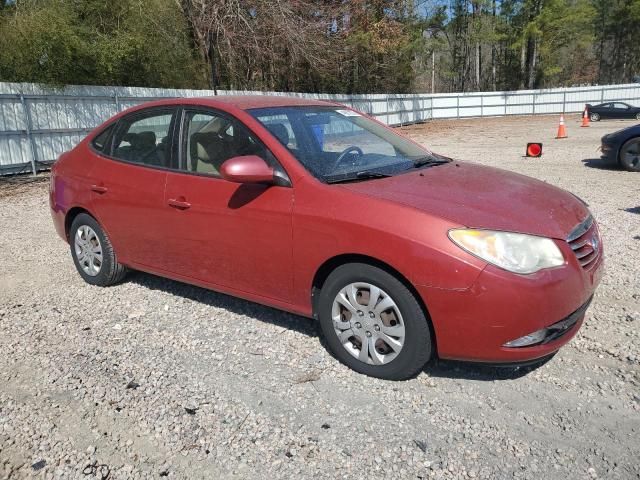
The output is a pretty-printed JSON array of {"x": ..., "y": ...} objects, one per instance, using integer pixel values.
[{"x": 153, "y": 378}]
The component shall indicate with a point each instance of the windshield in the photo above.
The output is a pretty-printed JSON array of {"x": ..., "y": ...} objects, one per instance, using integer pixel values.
[{"x": 336, "y": 144}]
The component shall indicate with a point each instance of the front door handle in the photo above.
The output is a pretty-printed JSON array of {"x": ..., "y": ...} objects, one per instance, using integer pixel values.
[
  {"x": 180, "y": 204},
  {"x": 99, "y": 189}
]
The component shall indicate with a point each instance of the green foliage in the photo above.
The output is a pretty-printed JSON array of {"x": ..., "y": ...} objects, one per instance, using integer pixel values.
[
  {"x": 121, "y": 42},
  {"x": 618, "y": 48},
  {"x": 337, "y": 46}
]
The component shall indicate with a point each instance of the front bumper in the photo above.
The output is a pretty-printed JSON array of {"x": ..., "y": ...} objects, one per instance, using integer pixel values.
[
  {"x": 609, "y": 153},
  {"x": 474, "y": 324}
]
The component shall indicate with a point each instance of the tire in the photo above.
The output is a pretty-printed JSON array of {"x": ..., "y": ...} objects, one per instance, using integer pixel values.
[
  {"x": 629, "y": 156},
  {"x": 410, "y": 353},
  {"x": 102, "y": 268},
  {"x": 638, "y": 116},
  {"x": 594, "y": 117}
]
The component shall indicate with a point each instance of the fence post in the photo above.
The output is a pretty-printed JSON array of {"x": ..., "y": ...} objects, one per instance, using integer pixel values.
[
  {"x": 29, "y": 125},
  {"x": 564, "y": 102},
  {"x": 533, "y": 103},
  {"x": 602, "y": 94},
  {"x": 387, "y": 107},
  {"x": 458, "y": 106},
  {"x": 116, "y": 99},
  {"x": 482, "y": 105}
]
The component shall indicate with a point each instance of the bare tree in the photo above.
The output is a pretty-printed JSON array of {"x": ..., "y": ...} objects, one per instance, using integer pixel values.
[{"x": 259, "y": 43}]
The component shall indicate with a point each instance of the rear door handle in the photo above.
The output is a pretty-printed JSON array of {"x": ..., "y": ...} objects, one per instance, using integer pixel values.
[
  {"x": 99, "y": 189},
  {"x": 179, "y": 204}
]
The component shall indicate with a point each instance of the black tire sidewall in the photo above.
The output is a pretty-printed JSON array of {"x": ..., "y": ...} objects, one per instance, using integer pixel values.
[
  {"x": 417, "y": 348},
  {"x": 622, "y": 149},
  {"x": 108, "y": 259}
]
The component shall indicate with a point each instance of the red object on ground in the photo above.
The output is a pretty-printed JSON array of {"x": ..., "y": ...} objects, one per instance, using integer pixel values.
[
  {"x": 271, "y": 242},
  {"x": 585, "y": 117},
  {"x": 534, "y": 149}
]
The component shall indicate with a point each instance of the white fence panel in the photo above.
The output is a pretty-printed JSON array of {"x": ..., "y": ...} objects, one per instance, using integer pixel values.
[{"x": 37, "y": 124}]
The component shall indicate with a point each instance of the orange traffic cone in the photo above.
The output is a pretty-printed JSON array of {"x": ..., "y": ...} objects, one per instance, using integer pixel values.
[
  {"x": 562, "y": 130},
  {"x": 585, "y": 118}
]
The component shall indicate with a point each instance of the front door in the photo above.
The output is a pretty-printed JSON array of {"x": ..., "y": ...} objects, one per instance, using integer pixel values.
[
  {"x": 621, "y": 110},
  {"x": 222, "y": 233},
  {"x": 128, "y": 186}
]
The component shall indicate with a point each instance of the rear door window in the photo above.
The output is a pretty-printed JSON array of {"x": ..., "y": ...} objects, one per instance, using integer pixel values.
[{"x": 145, "y": 139}]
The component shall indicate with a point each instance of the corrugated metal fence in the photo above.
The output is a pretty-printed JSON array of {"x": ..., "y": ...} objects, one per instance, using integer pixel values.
[{"x": 37, "y": 124}]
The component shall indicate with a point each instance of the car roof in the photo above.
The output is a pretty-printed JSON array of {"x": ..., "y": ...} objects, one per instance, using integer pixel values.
[{"x": 243, "y": 102}]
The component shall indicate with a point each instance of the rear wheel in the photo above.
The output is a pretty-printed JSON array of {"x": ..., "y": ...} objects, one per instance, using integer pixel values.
[
  {"x": 595, "y": 117},
  {"x": 373, "y": 323},
  {"x": 92, "y": 252},
  {"x": 638, "y": 116},
  {"x": 630, "y": 155}
]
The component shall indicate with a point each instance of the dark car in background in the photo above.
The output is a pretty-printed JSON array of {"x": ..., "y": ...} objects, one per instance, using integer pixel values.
[
  {"x": 612, "y": 110},
  {"x": 623, "y": 148}
]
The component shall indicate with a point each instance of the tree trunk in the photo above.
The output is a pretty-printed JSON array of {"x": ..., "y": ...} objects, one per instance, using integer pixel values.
[
  {"x": 493, "y": 49},
  {"x": 523, "y": 62},
  {"x": 433, "y": 71},
  {"x": 533, "y": 64},
  {"x": 478, "y": 55},
  {"x": 212, "y": 63}
]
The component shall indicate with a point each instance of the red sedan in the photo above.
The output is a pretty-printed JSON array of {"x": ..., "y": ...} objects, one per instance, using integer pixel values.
[{"x": 311, "y": 207}]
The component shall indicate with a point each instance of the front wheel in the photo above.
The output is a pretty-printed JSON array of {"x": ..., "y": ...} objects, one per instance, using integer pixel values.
[
  {"x": 630, "y": 155},
  {"x": 595, "y": 117},
  {"x": 373, "y": 323},
  {"x": 92, "y": 252}
]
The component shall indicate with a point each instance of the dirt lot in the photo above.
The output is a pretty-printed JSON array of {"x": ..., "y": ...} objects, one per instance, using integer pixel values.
[{"x": 154, "y": 378}]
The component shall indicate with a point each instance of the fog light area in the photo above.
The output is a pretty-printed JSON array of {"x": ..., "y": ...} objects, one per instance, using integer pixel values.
[{"x": 527, "y": 340}]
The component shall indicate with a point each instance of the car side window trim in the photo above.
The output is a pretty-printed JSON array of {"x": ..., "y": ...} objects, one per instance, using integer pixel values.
[
  {"x": 132, "y": 117},
  {"x": 106, "y": 149},
  {"x": 181, "y": 139}
]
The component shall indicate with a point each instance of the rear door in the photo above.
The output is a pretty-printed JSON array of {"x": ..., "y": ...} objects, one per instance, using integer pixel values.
[
  {"x": 605, "y": 110},
  {"x": 233, "y": 235},
  {"x": 128, "y": 185}
]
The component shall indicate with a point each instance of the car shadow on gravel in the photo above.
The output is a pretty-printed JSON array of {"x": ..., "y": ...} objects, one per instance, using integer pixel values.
[
  {"x": 234, "y": 305},
  {"x": 309, "y": 327},
  {"x": 599, "y": 164},
  {"x": 480, "y": 372},
  {"x": 635, "y": 210}
]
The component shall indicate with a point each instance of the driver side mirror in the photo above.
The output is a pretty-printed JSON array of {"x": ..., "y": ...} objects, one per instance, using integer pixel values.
[{"x": 247, "y": 169}]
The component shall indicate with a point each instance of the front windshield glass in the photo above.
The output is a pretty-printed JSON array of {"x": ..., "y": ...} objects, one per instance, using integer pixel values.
[{"x": 337, "y": 144}]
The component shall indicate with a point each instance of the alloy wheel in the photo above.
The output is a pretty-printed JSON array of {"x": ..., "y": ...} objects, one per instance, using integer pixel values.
[
  {"x": 368, "y": 323},
  {"x": 88, "y": 250},
  {"x": 630, "y": 154}
]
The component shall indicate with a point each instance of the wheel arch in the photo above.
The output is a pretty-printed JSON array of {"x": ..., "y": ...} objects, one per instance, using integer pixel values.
[
  {"x": 323, "y": 272},
  {"x": 71, "y": 215}
]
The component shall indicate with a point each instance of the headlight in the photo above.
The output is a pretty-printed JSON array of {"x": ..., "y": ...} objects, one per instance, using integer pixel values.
[{"x": 514, "y": 252}]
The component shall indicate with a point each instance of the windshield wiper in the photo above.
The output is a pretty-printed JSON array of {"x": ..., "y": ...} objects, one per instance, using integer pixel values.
[
  {"x": 428, "y": 160},
  {"x": 359, "y": 176}
]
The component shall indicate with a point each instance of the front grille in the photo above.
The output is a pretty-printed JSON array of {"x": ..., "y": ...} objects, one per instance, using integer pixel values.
[{"x": 585, "y": 243}]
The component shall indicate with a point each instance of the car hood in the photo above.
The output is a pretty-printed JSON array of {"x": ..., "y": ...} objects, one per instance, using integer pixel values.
[
  {"x": 482, "y": 197},
  {"x": 632, "y": 131}
]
